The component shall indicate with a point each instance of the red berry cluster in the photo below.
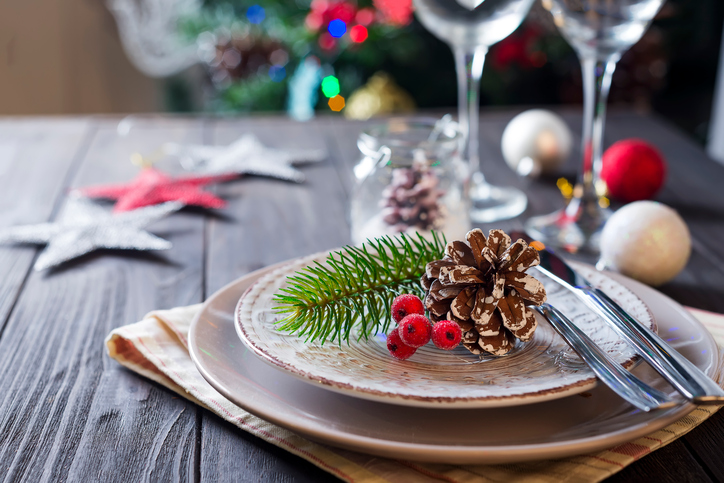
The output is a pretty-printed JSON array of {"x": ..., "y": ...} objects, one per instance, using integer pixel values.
[{"x": 415, "y": 330}]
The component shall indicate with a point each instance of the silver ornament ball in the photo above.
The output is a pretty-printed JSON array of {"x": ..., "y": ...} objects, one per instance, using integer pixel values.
[{"x": 536, "y": 141}]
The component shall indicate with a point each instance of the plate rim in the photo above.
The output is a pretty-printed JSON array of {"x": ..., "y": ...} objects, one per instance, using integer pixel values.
[
  {"x": 440, "y": 452},
  {"x": 347, "y": 389}
]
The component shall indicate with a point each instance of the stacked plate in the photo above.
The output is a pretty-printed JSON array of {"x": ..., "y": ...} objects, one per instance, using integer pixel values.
[{"x": 539, "y": 401}]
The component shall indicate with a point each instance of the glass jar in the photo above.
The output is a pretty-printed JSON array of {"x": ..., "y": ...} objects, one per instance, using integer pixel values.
[{"x": 410, "y": 178}]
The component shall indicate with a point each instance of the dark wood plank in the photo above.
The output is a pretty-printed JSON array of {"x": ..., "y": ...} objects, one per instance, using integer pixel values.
[
  {"x": 36, "y": 156},
  {"x": 671, "y": 464},
  {"x": 230, "y": 454},
  {"x": 66, "y": 411},
  {"x": 268, "y": 221},
  {"x": 342, "y": 137},
  {"x": 706, "y": 442}
]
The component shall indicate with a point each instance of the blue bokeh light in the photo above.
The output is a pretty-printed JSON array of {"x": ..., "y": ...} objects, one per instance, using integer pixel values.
[
  {"x": 337, "y": 28},
  {"x": 255, "y": 14},
  {"x": 277, "y": 73}
]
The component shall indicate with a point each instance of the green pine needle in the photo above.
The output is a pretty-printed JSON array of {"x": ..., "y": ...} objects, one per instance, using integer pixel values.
[{"x": 355, "y": 286}]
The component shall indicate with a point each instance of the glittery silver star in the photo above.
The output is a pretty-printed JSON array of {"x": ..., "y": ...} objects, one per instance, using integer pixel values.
[
  {"x": 84, "y": 226},
  {"x": 246, "y": 155}
]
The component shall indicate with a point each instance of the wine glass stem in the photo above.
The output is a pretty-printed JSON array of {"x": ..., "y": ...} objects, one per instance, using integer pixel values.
[
  {"x": 596, "y": 84},
  {"x": 469, "y": 66}
]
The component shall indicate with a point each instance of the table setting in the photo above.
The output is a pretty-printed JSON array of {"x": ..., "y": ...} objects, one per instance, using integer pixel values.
[{"x": 406, "y": 298}]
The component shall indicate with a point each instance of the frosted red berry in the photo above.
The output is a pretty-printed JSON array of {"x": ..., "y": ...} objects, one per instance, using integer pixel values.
[
  {"x": 406, "y": 304},
  {"x": 397, "y": 348},
  {"x": 415, "y": 330},
  {"x": 446, "y": 335}
]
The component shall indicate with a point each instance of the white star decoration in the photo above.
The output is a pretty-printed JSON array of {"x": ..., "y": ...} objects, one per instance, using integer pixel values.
[
  {"x": 246, "y": 155},
  {"x": 83, "y": 227}
]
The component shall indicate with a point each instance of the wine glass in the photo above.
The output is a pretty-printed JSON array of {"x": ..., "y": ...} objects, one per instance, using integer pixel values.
[
  {"x": 600, "y": 31},
  {"x": 470, "y": 27}
]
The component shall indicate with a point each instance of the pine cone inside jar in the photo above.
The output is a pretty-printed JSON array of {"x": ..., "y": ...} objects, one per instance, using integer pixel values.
[
  {"x": 412, "y": 199},
  {"x": 481, "y": 284}
]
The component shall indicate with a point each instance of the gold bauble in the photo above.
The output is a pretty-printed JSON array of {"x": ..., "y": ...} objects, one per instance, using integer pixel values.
[{"x": 381, "y": 95}]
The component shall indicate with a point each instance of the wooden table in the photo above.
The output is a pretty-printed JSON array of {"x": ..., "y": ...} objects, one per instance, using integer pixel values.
[{"x": 68, "y": 412}]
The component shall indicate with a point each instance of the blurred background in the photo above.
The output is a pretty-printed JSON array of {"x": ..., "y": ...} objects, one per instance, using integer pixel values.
[{"x": 355, "y": 58}]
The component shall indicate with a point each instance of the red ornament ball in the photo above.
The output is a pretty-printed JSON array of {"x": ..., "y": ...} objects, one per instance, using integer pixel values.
[
  {"x": 446, "y": 335},
  {"x": 633, "y": 170},
  {"x": 406, "y": 304},
  {"x": 398, "y": 349},
  {"x": 415, "y": 330}
]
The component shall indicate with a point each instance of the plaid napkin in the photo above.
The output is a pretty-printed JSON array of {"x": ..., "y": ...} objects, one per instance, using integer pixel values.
[{"x": 157, "y": 348}]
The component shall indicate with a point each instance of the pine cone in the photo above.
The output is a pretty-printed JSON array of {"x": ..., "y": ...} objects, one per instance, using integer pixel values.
[
  {"x": 474, "y": 279},
  {"x": 412, "y": 199}
]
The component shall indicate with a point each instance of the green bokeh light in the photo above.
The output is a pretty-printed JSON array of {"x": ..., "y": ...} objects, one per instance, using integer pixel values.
[{"x": 330, "y": 86}]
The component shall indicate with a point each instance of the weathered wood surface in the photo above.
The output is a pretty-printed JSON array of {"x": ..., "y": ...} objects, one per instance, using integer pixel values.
[{"x": 69, "y": 413}]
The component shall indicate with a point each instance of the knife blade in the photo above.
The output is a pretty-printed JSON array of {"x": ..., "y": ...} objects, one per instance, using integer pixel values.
[{"x": 686, "y": 378}]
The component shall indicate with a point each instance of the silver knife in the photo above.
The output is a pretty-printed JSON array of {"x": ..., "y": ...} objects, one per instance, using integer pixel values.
[{"x": 686, "y": 378}]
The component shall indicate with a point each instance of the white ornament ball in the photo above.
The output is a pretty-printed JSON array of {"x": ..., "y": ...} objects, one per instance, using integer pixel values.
[
  {"x": 536, "y": 141},
  {"x": 647, "y": 241}
]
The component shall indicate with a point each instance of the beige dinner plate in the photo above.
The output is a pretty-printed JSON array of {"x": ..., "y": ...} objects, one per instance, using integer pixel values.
[
  {"x": 572, "y": 425},
  {"x": 541, "y": 369}
]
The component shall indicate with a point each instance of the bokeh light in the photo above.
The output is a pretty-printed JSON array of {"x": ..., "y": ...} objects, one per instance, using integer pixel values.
[
  {"x": 336, "y": 103},
  {"x": 396, "y": 12},
  {"x": 538, "y": 59},
  {"x": 255, "y": 14},
  {"x": 358, "y": 33},
  {"x": 277, "y": 73},
  {"x": 314, "y": 21},
  {"x": 565, "y": 187},
  {"x": 337, "y": 28},
  {"x": 326, "y": 41},
  {"x": 279, "y": 57},
  {"x": 365, "y": 16},
  {"x": 330, "y": 86}
]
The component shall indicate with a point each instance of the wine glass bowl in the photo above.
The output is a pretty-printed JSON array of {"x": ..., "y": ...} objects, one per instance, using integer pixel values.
[
  {"x": 470, "y": 27},
  {"x": 600, "y": 31},
  {"x": 490, "y": 22}
]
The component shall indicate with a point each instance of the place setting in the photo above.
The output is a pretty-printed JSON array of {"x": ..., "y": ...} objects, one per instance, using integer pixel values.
[
  {"x": 362, "y": 240},
  {"x": 359, "y": 397}
]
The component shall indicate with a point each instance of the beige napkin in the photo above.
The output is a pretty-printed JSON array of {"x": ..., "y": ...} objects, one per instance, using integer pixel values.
[{"x": 157, "y": 348}]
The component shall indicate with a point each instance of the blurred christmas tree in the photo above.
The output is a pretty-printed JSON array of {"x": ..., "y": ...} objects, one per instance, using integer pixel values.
[
  {"x": 303, "y": 55},
  {"x": 254, "y": 49}
]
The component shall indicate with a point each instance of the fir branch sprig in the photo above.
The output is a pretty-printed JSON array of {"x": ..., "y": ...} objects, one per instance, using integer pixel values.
[{"x": 355, "y": 286}]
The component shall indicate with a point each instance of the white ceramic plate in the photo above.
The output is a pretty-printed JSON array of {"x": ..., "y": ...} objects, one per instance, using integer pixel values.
[
  {"x": 541, "y": 369},
  {"x": 588, "y": 422}
]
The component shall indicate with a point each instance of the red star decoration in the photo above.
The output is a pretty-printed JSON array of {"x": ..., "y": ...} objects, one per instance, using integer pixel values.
[{"x": 152, "y": 187}]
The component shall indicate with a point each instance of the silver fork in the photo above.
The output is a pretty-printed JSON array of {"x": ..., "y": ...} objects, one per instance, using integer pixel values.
[{"x": 609, "y": 371}]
